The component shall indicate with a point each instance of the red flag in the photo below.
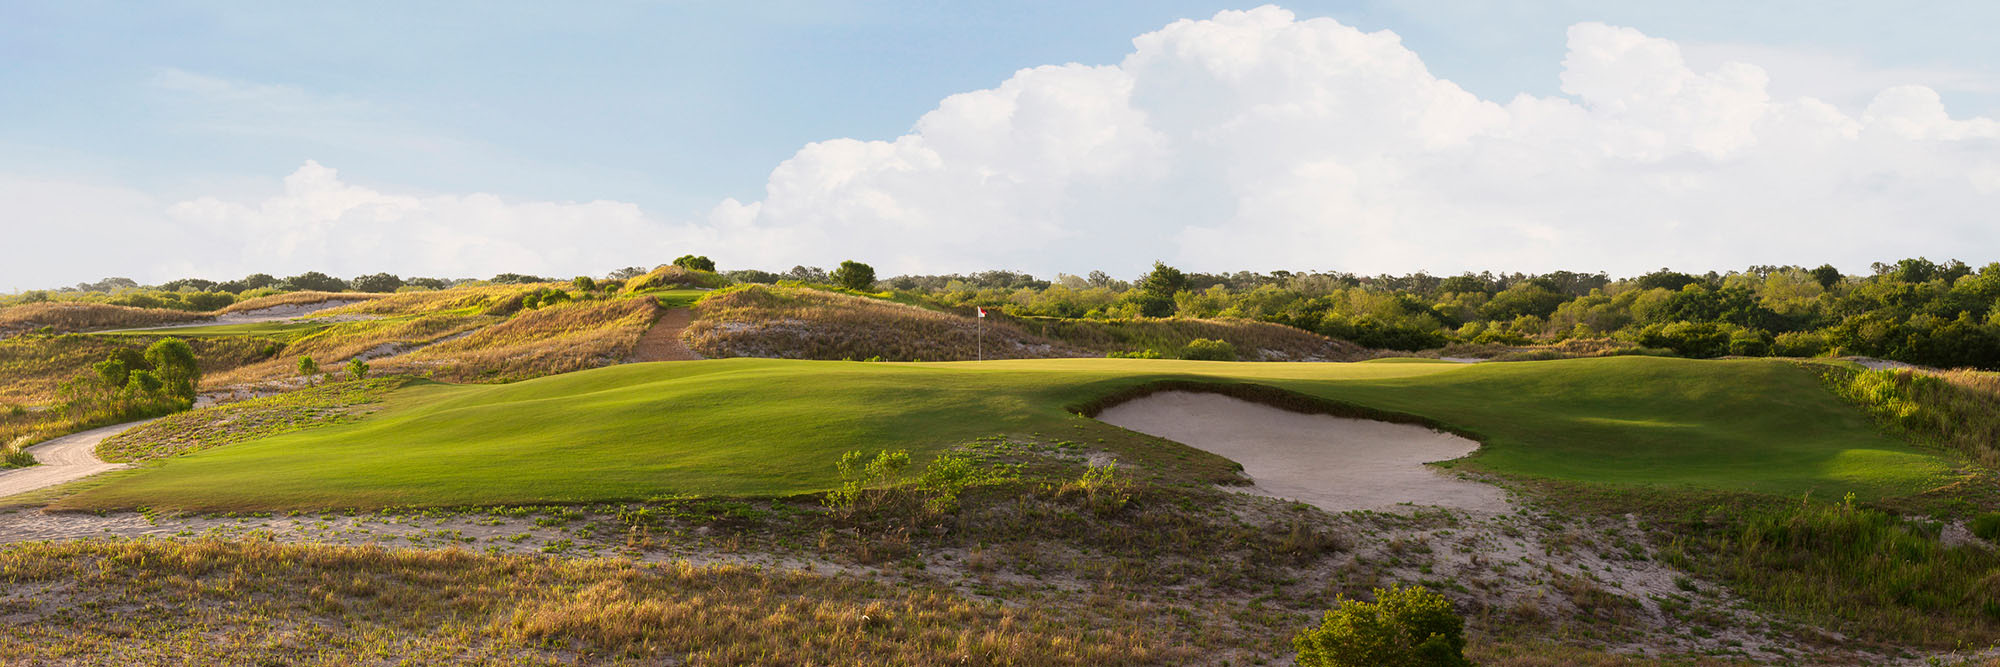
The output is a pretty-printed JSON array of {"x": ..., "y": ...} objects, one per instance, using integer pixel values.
[{"x": 982, "y": 311}]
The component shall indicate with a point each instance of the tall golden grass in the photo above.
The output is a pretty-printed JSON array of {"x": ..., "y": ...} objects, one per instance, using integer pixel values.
[
  {"x": 296, "y": 298},
  {"x": 70, "y": 316},
  {"x": 551, "y": 339},
  {"x": 668, "y": 275},
  {"x": 260, "y": 602},
  {"x": 804, "y": 323}
]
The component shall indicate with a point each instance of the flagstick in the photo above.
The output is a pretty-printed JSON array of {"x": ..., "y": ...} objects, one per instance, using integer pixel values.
[{"x": 979, "y": 348}]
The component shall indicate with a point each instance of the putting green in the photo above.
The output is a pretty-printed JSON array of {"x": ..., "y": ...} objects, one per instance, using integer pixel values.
[{"x": 772, "y": 427}]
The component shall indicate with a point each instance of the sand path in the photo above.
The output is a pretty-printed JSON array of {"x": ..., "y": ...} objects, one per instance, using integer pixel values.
[
  {"x": 1333, "y": 463},
  {"x": 68, "y": 458},
  {"x": 663, "y": 341}
]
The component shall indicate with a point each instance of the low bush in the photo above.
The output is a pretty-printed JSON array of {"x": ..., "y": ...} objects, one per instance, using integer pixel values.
[
  {"x": 1986, "y": 526},
  {"x": 1404, "y": 627},
  {"x": 1206, "y": 349}
]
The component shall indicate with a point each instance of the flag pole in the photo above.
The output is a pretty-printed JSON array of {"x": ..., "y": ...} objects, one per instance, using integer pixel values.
[{"x": 979, "y": 348}]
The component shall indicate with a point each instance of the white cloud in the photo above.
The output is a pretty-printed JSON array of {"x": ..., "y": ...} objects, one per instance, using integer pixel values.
[
  {"x": 1256, "y": 140},
  {"x": 1252, "y": 140}
]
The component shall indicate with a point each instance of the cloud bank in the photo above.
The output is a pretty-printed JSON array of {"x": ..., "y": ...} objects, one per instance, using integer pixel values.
[{"x": 1252, "y": 140}]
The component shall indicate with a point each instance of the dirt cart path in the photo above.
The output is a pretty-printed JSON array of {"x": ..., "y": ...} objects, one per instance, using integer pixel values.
[
  {"x": 68, "y": 458},
  {"x": 663, "y": 341}
]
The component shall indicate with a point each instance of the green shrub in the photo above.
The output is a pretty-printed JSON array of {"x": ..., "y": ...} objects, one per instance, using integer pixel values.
[
  {"x": 1206, "y": 349},
  {"x": 1987, "y": 526},
  {"x": 174, "y": 362},
  {"x": 855, "y": 276},
  {"x": 1136, "y": 354},
  {"x": 1403, "y": 627},
  {"x": 308, "y": 368},
  {"x": 695, "y": 263},
  {"x": 357, "y": 369}
]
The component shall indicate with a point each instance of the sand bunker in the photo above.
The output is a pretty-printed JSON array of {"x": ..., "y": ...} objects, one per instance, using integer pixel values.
[{"x": 1333, "y": 463}]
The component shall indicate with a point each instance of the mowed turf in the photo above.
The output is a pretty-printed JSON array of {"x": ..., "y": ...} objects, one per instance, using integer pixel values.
[{"x": 760, "y": 427}]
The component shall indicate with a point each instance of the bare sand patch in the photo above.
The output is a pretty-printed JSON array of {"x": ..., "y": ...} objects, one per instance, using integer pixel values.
[{"x": 1330, "y": 462}]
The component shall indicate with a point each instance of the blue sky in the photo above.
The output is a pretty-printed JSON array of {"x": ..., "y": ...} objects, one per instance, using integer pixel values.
[{"x": 675, "y": 106}]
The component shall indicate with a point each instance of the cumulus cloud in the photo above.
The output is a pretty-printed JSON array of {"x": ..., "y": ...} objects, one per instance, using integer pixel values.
[
  {"x": 1258, "y": 140},
  {"x": 1250, "y": 140}
]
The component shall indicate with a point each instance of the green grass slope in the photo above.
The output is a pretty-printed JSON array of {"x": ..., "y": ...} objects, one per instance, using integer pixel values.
[{"x": 769, "y": 427}]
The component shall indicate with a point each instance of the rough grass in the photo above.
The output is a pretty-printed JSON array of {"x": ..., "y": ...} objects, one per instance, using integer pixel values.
[
  {"x": 805, "y": 323},
  {"x": 470, "y": 334},
  {"x": 1853, "y": 569},
  {"x": 760, "y": 427},
  {"x": 545, "y": 341},
  {"x": 339, "y": 342},
  {"x": 796, "y": 322},
  {"x": 1574, "y": 348},
  {"x": 669, "y": 276},
  {"x": 1253, "y": 340},
  {"x": 32, "y": 365},
  {"x": 296, "y": 298},
  {"x": 212, "y": 602},
  {"x": 1956, "y": 410},
  {"x": 64, "y": 317},
  {"x": 246, "y": 420}
]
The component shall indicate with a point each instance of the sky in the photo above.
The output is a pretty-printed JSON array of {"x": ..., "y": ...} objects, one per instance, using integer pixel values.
[{"x": 465, "y": 139}]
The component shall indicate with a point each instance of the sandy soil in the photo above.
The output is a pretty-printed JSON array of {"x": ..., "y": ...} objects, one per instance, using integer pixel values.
[
  {"x": 663, "y": 341},
  {"x": 63, "y": 459},
  {"x": 1332, "y": 463}
]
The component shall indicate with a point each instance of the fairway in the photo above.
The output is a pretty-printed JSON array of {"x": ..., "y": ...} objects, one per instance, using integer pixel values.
[{"x": 762, "y": 427}]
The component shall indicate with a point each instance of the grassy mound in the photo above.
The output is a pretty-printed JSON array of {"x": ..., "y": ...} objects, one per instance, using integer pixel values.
[
  {"x": 80, "y": 316},
  {"x": 759, "y": 427},
  {"x": 805, "y": 323},
  {"x": 296, "y": 299},
  {"x": 793, "y": 322},
  {"x": 669, "y": 276},
  {"x": 486, "y": 333}
]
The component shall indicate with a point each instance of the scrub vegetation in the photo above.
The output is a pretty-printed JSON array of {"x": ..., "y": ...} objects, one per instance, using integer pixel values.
[{"x": 1695, "y": 510}]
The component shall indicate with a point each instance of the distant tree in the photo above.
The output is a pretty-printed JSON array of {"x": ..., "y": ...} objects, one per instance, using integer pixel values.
[
  {"x": 378, "y": 282},
  {"x": 695, "y": 263},
  {"x": 308, "y": 368},
  {"x": 753, "y": 276},
  {"x": 107, "y": 285},
  {"x": 518, "y": 279},
  {"x": 1664, "y": 279},
  {"x": 188, "y": 285},
  {"x": 584, "y": 283},
  {"x": 854, "y": 275},
  {"x": 1164, "y": 280},
  {"x": 427, "y": 283},
  {"x": 626, "y": 273},
  {"x": 807, "y": 274},
  {"x": 314, "y": 281},
  {"x": 357, "y": 369},
  {"x": 1464, "y": 284},
  {"x": 174, "y": 362},
  {"x": 1826, "y": 275},
  {"x": 1524, "y": 298}
]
